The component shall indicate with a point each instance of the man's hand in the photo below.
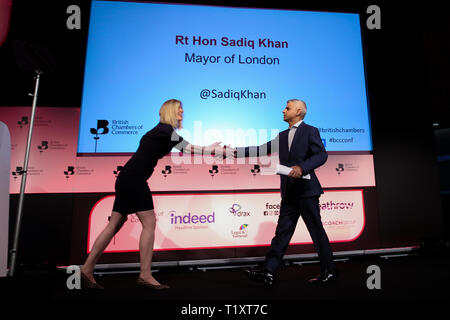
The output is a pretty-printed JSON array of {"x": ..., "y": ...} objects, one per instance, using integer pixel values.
[
  {"x": 228, "y": 152},
  {"x": 296, "y": 172},
  {"x": 223, "y": 152}
]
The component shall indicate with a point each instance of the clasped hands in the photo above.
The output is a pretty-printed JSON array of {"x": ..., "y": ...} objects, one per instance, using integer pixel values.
[
  {"x": 229, "y": 152},
  {"x": 219, "y": 151}
]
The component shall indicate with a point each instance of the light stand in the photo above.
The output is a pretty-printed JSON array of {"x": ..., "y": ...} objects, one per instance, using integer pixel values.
[{"x": 13, "y": 252}]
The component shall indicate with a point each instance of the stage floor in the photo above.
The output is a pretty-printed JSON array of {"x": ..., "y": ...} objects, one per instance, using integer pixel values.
[{"x": 406, "y": 278}]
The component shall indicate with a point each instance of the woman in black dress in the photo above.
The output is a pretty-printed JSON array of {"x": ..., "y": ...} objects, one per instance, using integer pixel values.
[{"x": 133, "y": 194}]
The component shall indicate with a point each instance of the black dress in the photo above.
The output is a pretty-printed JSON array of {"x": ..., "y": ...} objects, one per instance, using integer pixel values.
[{"x": 131, "y": 188}]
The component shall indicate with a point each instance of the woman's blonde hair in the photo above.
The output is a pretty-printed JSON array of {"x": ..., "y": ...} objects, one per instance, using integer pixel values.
[{"x": 169, "y": 112}]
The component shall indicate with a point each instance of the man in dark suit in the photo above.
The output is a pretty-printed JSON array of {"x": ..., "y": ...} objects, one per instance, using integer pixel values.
[{"x": 300, "y": 148}]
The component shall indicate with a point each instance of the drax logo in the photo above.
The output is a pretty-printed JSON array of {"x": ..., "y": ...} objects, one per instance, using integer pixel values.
[
  {"x": 236, "y": 210},
  {"x": 69, "y": 172},
  {"x": 102, "y": 128},
  {"x": 23, "y": 122}
]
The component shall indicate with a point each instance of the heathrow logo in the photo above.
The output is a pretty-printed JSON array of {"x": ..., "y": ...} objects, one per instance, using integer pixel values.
[{"x": 102, "y": 128}]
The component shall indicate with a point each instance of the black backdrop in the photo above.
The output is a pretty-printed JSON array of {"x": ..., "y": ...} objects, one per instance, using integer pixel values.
[{"x": 406, "y": 63}]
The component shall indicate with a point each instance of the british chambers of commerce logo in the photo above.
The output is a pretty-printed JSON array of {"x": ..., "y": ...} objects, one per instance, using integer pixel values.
[
  {"x": 167, "y": 171},
  {"x": 214, "y": 170},
  {"x": 349, "y": 166},
  {"x": 19, "y": 172},
  {"x": 256, "y": 169},
  {"x": 102, "y": 129},
  {"x": 69, "y": 172},
  {"x": 340, "y": 168},
  {"x": 23, "y": 122},
  {"x": 43, "y": 146},
  {"x": 115, "y": 127},
  {"x": 117, "y": 171}
]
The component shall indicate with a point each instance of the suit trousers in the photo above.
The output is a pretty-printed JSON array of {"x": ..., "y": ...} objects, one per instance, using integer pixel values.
[{"x": 290, "y": 210}]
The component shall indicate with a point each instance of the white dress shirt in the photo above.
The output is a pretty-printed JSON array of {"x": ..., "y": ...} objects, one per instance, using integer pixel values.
[{"x": 292, "y": 133}]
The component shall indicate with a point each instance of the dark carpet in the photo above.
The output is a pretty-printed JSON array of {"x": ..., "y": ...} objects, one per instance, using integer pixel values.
[{"x": 413, "y": 279}]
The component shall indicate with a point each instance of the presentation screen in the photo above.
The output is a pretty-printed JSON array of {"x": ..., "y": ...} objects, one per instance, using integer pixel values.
[{"x": 233, "y": 69}]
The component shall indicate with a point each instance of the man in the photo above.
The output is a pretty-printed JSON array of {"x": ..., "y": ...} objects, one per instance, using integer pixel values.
[{"x": 299, "y": 147}]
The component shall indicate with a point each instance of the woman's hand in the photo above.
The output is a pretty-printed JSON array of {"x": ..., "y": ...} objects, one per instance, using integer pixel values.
[{"x": 212, "y": 148}]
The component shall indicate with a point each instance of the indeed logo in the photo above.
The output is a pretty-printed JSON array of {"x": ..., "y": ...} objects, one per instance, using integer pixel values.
[{"x": 192, "y": 218}]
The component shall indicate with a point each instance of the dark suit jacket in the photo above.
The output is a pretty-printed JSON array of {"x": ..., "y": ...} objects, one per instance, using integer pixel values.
[{"x": 307, "y": 151}]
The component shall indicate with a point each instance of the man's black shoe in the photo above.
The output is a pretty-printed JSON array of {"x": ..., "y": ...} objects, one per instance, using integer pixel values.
[
  {"x": 325, "y": 277},
  {"x": 261, "y": 275}
]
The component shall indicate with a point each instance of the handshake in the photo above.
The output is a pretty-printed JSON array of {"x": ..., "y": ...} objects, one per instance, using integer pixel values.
[{"x": 218, "y": 151}]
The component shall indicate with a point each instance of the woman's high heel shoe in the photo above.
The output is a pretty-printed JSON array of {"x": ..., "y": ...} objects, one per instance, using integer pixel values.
[
  {"x": 142, "y": 283},
  {"x": 87, "y": 283}
]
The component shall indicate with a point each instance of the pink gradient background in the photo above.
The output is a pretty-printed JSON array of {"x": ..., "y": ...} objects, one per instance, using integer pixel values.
[{"x": 341, "y": 224}]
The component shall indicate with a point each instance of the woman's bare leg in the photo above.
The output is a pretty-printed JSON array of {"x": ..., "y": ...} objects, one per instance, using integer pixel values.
[
  {"x": 104, "y": 238},
  {"x": 146, "y": 242}
]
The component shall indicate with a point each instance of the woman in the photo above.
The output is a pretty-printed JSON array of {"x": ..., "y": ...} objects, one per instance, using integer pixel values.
[{"x": 133, "y": 194}]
